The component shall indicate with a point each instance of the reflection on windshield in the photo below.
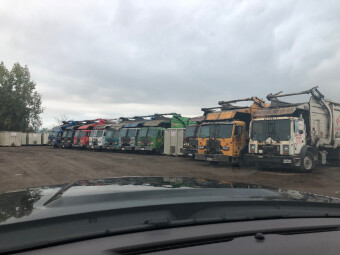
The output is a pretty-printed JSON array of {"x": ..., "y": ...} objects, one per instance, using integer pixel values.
[
  {"x": 132, "y": 132},
  {"x": 93, "y": 133},
  {"x": 17, "y": 204},
  {"x": 206, "y": 131},
  {"x": 77, "y": 134},
  {"x": 224, "y": 131},
  {"x": 123, "y": 132},
  {"x": 278, "y": 130},
  {"x": 152, "y": 132},
  {"x": 65, "y": 133},
  {"x": 109, "y": 134},
  {"x": 69, "y": 134},
  {"x": 142, "y": 132},
  {"x": 190, "y": 131}
]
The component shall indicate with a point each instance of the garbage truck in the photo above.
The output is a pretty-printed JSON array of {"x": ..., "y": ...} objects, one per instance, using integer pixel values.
[
  {"x": 298, "y": 135},
  {"x": 81, "y": 137},
  {"x": 128, "y": 133},
  {"x": 223, "y": 135},
  {"x": 151, "y": 134},
  {"x": 190, "y": 139},
  {"x": 55, "y": 136},
  {"x": 68, "y": 135}
]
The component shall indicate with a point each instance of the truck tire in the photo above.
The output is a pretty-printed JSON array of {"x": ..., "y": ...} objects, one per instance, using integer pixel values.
[{"x": 307, "y": 162}]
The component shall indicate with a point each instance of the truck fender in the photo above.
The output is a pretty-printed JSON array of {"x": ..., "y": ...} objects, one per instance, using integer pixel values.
[{"x": 307, "y": 148}]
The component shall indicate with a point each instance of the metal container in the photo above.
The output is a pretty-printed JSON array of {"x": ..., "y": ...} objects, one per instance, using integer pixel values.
[
  {"x": 173, "y": 141},
  {"x": 44, "y": 138},
  {"x": 10, "y": 138},
  {"x": 33, "y": 139},
  {"x": 23, "y": 139}
]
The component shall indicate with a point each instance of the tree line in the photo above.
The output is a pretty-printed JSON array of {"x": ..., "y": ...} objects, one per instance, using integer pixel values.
[{"x": 20, "y": 103}]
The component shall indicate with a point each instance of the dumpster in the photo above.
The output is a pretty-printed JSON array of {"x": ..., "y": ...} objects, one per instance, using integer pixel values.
[
  {"x": 44, "y": 138},
  {"x": 10, "y": 138},
  {"x": 173, "y": 141},
  {"x": 33, "y": 139},
  {"x": 23, "y": 139}
]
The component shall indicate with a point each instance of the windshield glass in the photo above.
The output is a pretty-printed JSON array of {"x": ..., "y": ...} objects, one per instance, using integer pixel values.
[
  {"x": 224, "y": 131},
  {"x": 190, "y": 131},
  {"x": 109, "y": 133},
  {"x": 55, "y": 133},
  {"x": 132, "y": 132},
  {"x": 206, "y": 131},
  {"x": 82, "y": 133},
  {"x": 77, "y": 134},
  {"x": 278, "y": 130},
  {"x": 93, "y": 133},
  {"x": 153, "y": 132},
  {"x": 123, "y": 132},
  {"x": 65, "y": 133},
  {"x": 69, "y": 134},
  {"x": 142, "y": 132},
  {"x": 99, "y": 133}
]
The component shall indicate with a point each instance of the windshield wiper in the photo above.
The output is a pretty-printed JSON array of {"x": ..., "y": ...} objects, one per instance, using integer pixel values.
[{"x": 60, "y": 192}]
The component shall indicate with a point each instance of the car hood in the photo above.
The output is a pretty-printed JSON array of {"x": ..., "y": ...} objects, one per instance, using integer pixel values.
[{"x": 128, "y": 192}]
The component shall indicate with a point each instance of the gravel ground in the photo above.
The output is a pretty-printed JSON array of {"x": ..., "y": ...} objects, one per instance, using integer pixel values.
[{"x": 32, "y": 166}]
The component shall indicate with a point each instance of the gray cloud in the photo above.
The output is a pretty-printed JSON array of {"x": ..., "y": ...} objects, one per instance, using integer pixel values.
[{"x": 134, "y": 57}]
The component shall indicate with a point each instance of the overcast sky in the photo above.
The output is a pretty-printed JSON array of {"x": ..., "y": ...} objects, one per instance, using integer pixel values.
[{"x": 108, "y": 59}]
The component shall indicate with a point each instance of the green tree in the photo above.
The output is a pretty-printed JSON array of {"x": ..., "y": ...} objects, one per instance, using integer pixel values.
[{"x": 20, "y": 103}]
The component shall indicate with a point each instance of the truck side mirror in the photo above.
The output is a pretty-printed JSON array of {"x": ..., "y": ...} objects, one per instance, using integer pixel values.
[{"x": 300, "y": 132}]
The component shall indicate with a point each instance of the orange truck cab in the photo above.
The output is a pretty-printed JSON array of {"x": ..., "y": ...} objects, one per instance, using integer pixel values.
[{"x": 223, "y": 136}]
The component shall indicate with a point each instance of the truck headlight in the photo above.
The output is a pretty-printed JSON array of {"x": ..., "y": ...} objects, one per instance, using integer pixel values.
[
  {"x": 252, "y": 148},
  {"x": 285, "y": 149},
  {"x": 201, "y": 147},
  {"x": 225, "y": 148}
]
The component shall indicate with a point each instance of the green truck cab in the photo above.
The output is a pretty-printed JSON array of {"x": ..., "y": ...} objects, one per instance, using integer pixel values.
[{"x": 151, "y": 135}]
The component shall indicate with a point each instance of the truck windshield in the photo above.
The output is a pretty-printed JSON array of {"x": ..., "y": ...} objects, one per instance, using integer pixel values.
[
  {"x": 123, "y": 132},
  {"x": 69, "y": 134},
  {"x": 77, "y": 134},
  {"x": 224, "y": 131},
  {"x": 109, "y": 134},
  {"x": 142, "y": 132},
  {"x": 206, "y": 131},
  {"x": 99, "y": 133},
  {"x": 278, "y": 130},
  {"x": 82, "y": 133},
  {"x": 93, "y": 133},
  {"x": 65, "y": 133},
  {"x": 132, "y": 132},
  {"x": 117, "y": 134},
  {"x": 152, "y": 132},
  {"x": 55, "y": 133},
  {"x": 190, "y": 131}
]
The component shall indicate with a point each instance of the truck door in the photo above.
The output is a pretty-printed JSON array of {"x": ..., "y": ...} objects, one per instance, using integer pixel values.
[
  {"x": 299, "y": 136},
  {"x": 238, "y": 138}
]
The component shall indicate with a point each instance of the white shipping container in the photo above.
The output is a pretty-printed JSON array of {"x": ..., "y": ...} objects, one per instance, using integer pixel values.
[
  {"x": 33, "y": 139},
  {"x": 44, "y": 138},
  {"x": 23, "y": 139},
  {"x": 10, "y": 138},
  {"x": 173, "y": 141}
]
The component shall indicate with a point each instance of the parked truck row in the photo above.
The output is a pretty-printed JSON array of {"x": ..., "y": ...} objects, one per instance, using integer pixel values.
[{"x": 272, "y": 133}]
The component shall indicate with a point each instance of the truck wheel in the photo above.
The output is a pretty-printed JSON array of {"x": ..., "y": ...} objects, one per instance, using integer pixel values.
[{"x": 307, "y": 162}]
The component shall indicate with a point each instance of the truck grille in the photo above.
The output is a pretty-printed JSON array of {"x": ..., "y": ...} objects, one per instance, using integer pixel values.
[
  {"x": 193, "y": 143},
  {"x": 145, "y": 141},
  {"x": 213, "y": 147},
  {"x": 270, "y": 149},
  {"x": 126, "y": 140}
]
